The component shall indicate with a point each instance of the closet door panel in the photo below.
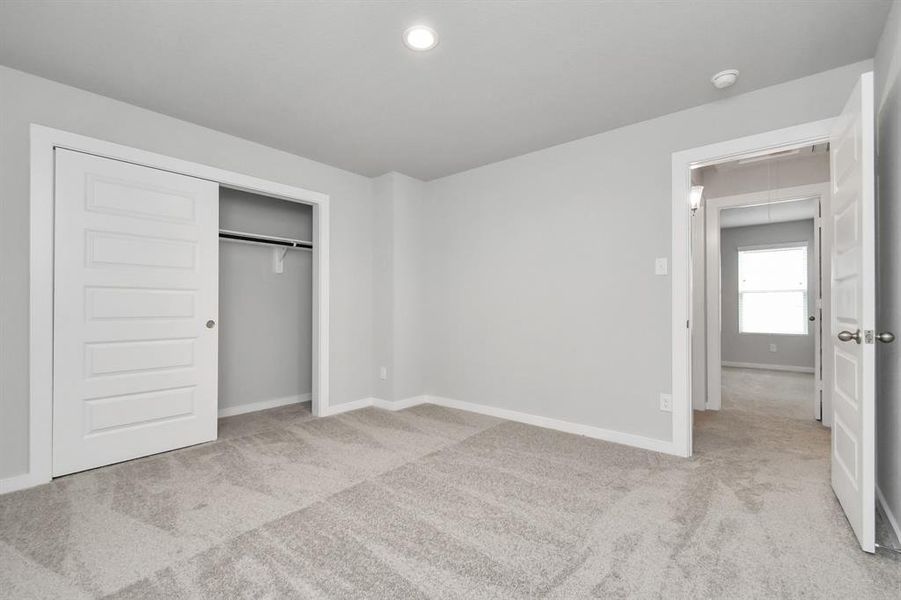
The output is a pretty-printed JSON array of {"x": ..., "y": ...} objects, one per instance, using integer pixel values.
[{"x": 135, "y": 282}]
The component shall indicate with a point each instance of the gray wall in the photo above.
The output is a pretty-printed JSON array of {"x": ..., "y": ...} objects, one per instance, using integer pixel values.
[
  {"x": 25, "y": 99},
  {"x": 265, "y": 318},
  {"x": 540, "y": 293},
  {"x": 761, "y": 176},
  {"x": 383, "y": 284},
  {"x": 397, "y": 285},
  {"x": 409, "y": 270},
  {"x": 791, "y": 350},
  {"x": 699, "y": 302},
  {"x": 888, "y": 308}
]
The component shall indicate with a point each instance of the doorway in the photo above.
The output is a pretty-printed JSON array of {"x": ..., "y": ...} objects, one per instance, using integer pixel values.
[
  {"x": 758, "y": 280},
  {"x": 760, "y": 271},
  {"x": 851, "y": 331}
]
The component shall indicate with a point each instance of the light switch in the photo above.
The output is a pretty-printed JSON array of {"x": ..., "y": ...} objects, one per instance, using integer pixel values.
[{"x": 660, "y": 266}]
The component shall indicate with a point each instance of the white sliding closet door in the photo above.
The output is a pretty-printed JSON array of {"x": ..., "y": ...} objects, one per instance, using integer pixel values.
[{"x": 135, "y": 307}]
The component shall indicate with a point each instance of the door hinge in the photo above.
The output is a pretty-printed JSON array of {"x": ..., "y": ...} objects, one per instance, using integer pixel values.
[{"x": 686, "y": 325}]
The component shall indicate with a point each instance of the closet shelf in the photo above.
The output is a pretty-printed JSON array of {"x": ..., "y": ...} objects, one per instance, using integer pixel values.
[{"x": 267, "y": 240}]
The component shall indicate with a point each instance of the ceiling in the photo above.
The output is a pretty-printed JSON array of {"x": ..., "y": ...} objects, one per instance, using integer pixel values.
[
  {"x": 775, "y": 212},
  {"x": 332, "y": 81}
]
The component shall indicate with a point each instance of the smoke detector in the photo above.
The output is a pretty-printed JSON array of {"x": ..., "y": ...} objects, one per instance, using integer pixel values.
[{"x": 724, "y": 79}]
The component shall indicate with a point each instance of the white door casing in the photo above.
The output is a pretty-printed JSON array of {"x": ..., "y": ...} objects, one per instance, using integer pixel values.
[
  {"x": 853, "y": 311},
  {"x": 816, "y": 326},
  {"x": 135, "y": 282}
]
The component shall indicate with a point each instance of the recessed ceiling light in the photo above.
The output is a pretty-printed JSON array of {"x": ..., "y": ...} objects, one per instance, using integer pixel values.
[
  {"x": 724, "y": 79},
  {"x": 420, "y": 38}
]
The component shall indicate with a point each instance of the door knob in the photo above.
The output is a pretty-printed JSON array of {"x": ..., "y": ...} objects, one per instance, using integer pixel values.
[
  {"x": 847, "y": 336},
  {"x": 886, "y": 337},
  {"x": 210, "y": 324}
]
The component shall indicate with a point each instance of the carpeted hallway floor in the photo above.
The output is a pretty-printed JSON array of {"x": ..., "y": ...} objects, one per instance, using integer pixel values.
[{"x": 434, "y": 503}]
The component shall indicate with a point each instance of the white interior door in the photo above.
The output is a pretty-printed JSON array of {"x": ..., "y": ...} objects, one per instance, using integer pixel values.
[
  {"x": 136, "y": 266},
  {"x": 853, "y": 311}
]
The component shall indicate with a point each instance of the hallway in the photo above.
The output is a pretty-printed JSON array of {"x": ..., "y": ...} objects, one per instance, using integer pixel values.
[{"x": 766, "y": 431}]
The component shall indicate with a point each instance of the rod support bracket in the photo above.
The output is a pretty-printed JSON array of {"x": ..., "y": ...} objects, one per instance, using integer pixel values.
[{"x": 278, "y": 259}]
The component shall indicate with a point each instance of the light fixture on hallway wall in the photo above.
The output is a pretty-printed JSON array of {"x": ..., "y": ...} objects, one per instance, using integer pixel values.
[
  {"x": 724, "y": 79},
  {"x": 694, "y": 197},
  {"x": 420, "y": 38}
]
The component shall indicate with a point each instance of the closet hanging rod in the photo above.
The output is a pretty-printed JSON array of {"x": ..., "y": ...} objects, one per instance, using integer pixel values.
[{"x": 268, "y": 240}]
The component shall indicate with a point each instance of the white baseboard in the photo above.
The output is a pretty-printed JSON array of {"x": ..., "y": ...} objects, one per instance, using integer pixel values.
[
  {"x": 597, "y": 433},
  {"x": 790, "y": 368},
  {"x": 893, "y": 521},
  {"x": 19, "y": 482},
  {"x": 344, "y": 407},
  {"x": 400, "y": 404},
  {"x": 337, "y": 409},
  {"x": 263, "y": 405}
]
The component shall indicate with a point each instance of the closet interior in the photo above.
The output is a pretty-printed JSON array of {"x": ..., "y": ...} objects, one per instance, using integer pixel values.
[{"x": 265, "y": 302}]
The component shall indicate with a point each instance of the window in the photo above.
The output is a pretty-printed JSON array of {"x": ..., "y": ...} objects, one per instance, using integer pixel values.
[{"x": 772, "y": 289}]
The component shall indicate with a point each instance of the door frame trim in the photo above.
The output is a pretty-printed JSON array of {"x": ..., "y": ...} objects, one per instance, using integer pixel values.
[
  {"x": 44, "y": 140},
  {"x": 682, "y": 163}
]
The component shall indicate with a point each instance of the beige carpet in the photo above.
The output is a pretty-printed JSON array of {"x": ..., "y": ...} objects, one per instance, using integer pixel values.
[{"x": 434, "y": 503}]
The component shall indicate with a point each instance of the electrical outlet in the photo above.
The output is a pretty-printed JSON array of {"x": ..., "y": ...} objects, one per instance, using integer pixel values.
[
  {"x": 772, "y": 347},
  {"x": 666, "y": 402},
  {"x": 383, "y": 373},
  {"x": 660, "y": 266}
]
